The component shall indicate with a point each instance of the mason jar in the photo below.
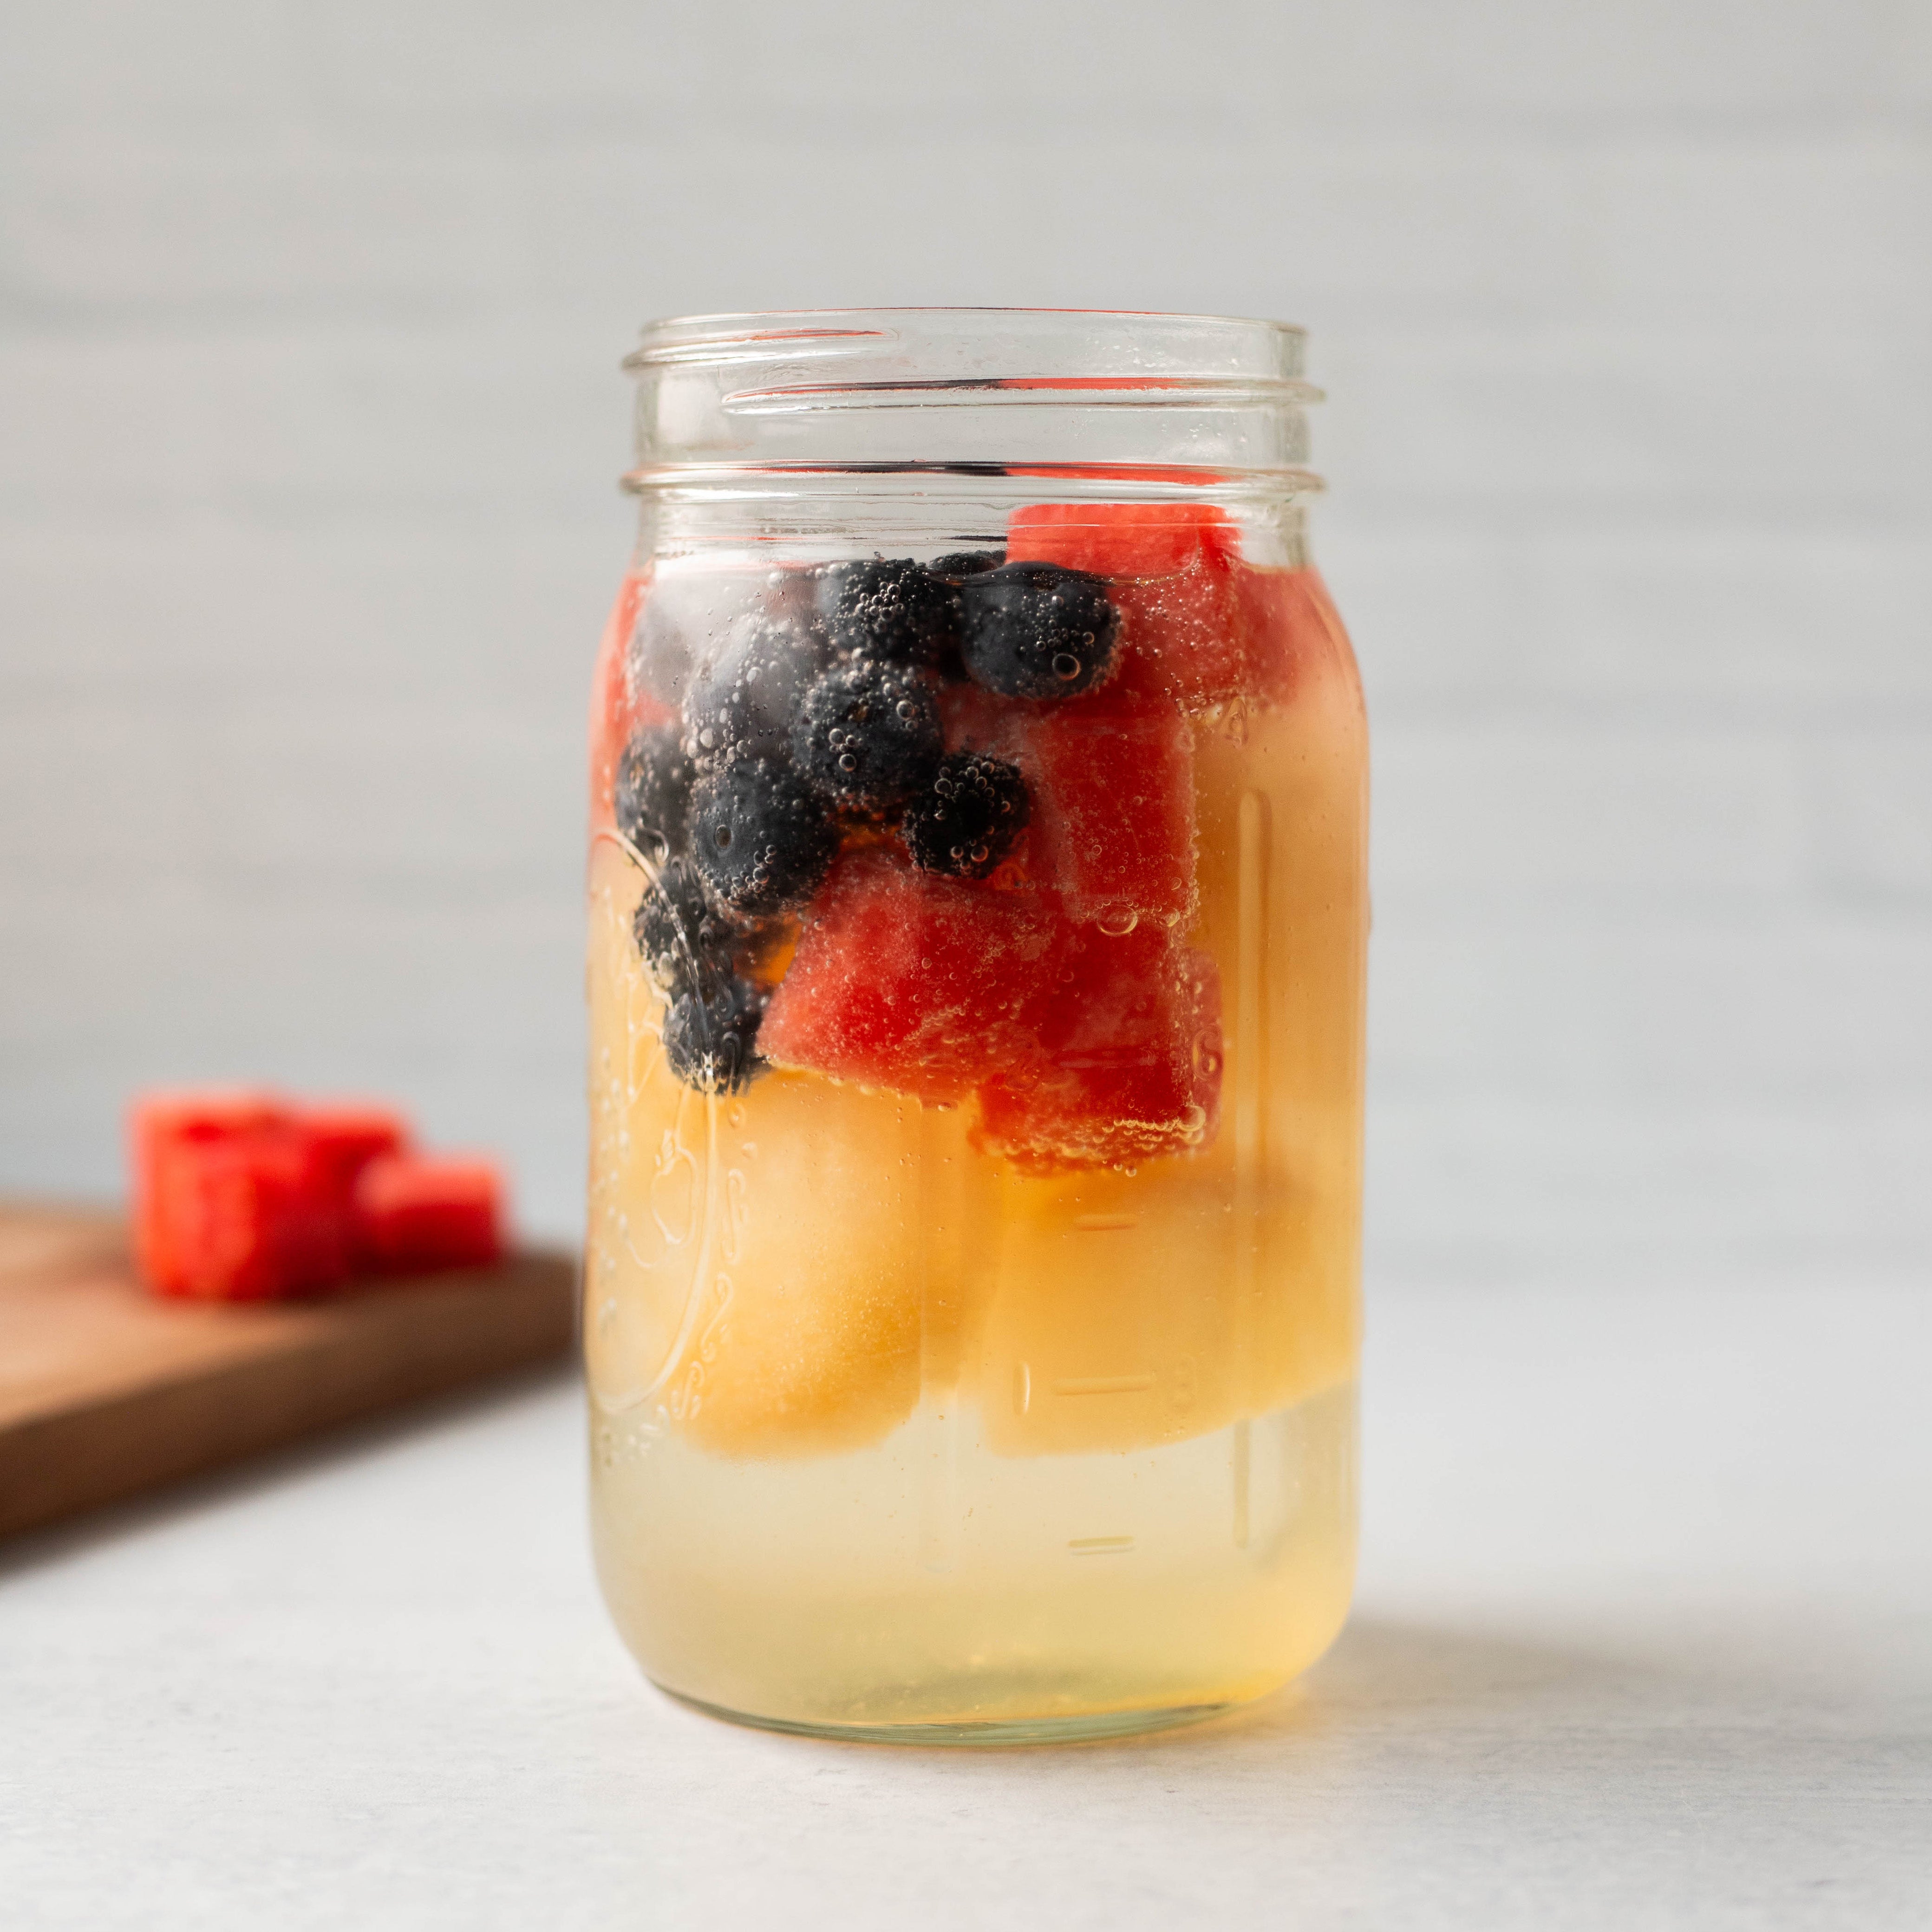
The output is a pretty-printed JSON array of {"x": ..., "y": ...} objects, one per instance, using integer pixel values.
[{"x": 977, "y": 927}]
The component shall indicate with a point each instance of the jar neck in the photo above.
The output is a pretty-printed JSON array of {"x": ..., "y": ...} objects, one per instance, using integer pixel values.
[{"x": 844, "y": 516}]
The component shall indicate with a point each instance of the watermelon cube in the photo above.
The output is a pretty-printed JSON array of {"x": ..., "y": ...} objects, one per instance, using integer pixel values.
[
  {"x": 1121, "y": 539},
  {"x": 415, "y": 1215},
  {"x": 348, "y": 1135},
  {"x": 234, "y": 1199},
  {"x": 1173, "y": 569},
  {"x": 1113, "y": 826},
  {"x": 1127, "y": 1067},
  {"x": 162, "y": 1127},
  {"x": 912, "y": 981}
]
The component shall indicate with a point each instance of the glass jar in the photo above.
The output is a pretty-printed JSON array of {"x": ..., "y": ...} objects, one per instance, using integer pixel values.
[{"x": 977, "y": 916}]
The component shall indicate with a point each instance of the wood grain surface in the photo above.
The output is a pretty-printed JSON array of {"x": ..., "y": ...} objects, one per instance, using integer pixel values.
[{"x": 105, "y": 1391}]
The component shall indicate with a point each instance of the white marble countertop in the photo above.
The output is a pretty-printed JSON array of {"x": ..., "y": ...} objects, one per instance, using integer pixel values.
[{"x": 1644, "y": 1639}]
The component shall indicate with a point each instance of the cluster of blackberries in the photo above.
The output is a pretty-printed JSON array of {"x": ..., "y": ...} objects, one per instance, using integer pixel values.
[
  {"x": 818, "y": 705},
  {"x": 689, "y": 949},
  {"x": 1023, "y": 630}
]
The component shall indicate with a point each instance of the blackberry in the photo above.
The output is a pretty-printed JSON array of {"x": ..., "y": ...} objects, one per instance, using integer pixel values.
[
  {"x": 959, "y": 563},
  {"x": 710, "y": 1043},
  {"x": 867, "y": 734},
  {"x": 891, "y": 608},
  {"x": 741, "y": 696},
  {"x": 1038, "y": 630},
  {"x": 760, "y": 839},
  {"x": 965, "y": 821},
  {"x": 685, "y": 941},
  {"x": 653, "y": 791}
]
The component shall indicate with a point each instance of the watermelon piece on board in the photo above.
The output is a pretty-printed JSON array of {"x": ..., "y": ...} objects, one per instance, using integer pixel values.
[
  {"x": 416, "y": 1215},
  {"x": 1171, "y": 568},
  {"x": 1127, "y": 1067},
  {"x": 161, "y": 1127},
  {"x": 912, "y": 981},
  {"x": 348, "y": 1135},
  {"x": 234, "y": 1198}
]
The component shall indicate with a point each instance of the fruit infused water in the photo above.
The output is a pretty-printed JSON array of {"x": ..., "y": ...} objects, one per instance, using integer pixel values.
[{"x": 975, "y": 958}]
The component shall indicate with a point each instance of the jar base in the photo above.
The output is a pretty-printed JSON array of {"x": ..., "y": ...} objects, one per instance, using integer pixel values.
[{"x": 1081, "y": 1727}]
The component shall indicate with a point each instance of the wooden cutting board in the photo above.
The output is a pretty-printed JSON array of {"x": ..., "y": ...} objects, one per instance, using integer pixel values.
[{"x": 105, "y": 1391}]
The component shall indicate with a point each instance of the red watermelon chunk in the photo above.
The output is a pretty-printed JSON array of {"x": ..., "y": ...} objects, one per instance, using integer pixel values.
[
  {"x": 168, "y": 1133},
  {"x": 235, "y": 1200},
  {"x": 242, "y": 1196},
  {"x": 1127, "y": 1067},
  {"x": 348, "y": 1135},
  {"x": 1121, "y": 539},
  {"x": 414, "y": 1215},
  {"x": 1173, "y": 567},
  {"x": 906, "y": 980},
  {"x": 1113, "y": 826},
  {"x": 159, "y": 1123}
]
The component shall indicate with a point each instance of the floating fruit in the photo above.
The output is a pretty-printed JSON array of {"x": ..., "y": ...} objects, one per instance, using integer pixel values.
[
  {"x": 1113, "y": 806},
  {"x": 1126, "y": 1065},
  {"x": 1172, "y": 570},
  {"x": 1035, "y": 630},
  {"x": 807, "y": 1335},
  {"x": 710, "y": 1034},
  {"x": 652, "y": 802},
  {"x": 906, "y": 980},
  {"x": 760, "y": 837},
  {"x": 891, "y": 609},
  {"x": 965, "y": 820},
  {"x": 867, "y": 735},
  {"x": 746, "y": 686}
]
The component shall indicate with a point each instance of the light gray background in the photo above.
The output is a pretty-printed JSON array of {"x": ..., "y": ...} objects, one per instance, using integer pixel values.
[{"x": 309, "y": 318}]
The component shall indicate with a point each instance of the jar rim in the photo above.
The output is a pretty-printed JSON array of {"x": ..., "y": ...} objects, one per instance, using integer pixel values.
[
  {"x": 665, "y": 336},
  {"x": 1131, "y": 397}
]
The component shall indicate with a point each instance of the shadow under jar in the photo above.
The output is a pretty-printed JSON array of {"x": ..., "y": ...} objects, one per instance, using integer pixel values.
[{"x": 976, "y": 926}]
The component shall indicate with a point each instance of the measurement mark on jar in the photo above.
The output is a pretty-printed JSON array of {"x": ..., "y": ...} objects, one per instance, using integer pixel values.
[
  {"x": 1102, "y": 1384},
  {"x": 1105, "y": 1224},
  {"x": 1099, "y": 1546}
]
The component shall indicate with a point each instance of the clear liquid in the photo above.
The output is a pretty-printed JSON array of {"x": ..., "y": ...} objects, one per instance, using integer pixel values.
[
  {"x": 889, "y": 1436},
  {"x": 927, "y": 1581}
]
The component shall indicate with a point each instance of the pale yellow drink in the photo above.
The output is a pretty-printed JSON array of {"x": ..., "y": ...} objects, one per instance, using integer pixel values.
[{"x": 888, "y": 1434}]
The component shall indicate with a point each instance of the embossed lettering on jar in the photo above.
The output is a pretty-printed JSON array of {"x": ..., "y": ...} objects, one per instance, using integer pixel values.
[{"x": 977, "y": 926}]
